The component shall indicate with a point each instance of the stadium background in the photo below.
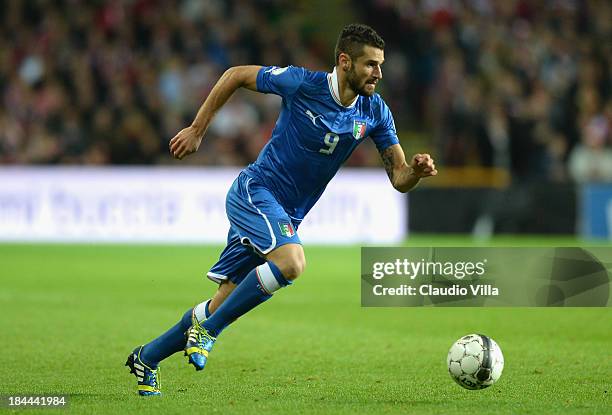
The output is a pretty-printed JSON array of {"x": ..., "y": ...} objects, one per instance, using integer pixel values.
[{"x": 512, "y": 98}]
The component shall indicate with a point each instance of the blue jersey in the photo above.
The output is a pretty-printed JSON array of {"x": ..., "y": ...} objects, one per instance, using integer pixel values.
[{"x": 314, "y": 135}]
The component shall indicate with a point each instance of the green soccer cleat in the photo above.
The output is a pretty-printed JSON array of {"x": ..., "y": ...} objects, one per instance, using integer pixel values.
[
  {"x": 199, "y": 343},
  {"x": 148, "y": 379}
]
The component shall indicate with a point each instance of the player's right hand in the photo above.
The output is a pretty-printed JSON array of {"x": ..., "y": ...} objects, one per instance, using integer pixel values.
[{"x": 187, "y": 141}]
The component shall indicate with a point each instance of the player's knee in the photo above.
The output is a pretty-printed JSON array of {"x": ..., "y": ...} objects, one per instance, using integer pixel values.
[
  {"x": 289, "y": 259},
  {"x": 295, "y": 268}
]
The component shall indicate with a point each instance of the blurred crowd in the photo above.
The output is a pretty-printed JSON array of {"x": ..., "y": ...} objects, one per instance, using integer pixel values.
[
  {"x": 110, "y": 82},
  {"x": 520, "y": 85},
  {"x": 525, "y": 85}
]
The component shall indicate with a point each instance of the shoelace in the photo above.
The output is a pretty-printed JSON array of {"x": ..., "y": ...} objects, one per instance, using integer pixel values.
[
  {"x": 154, "y": 378},
  {"x": 202, "y": 337}
]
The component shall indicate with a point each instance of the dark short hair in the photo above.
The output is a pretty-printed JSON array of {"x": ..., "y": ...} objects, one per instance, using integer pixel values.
[{"x": 354, "y": 37}]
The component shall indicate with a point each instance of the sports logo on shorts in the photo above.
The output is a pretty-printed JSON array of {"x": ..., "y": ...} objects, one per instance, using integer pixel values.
[
  {"x": 359, "y": 129},
  {"x": 286, "y": 229}
]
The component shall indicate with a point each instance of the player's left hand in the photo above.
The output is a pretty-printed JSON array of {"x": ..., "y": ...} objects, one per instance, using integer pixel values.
[{"x": 423, "y": 165}]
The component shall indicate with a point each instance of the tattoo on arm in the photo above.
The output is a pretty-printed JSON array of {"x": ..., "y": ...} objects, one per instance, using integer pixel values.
[{"x": 388, "y": 162}]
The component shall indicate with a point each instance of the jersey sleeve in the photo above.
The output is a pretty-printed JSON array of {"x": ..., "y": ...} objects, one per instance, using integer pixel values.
[
  {"x": 280, "y": 81},
  {"x": 384, "y": 135}
]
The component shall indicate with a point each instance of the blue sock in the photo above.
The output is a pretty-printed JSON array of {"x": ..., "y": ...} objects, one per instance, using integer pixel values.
[
  {"x": 257, "y": 287},
  {"x": 168, "y": 343}
]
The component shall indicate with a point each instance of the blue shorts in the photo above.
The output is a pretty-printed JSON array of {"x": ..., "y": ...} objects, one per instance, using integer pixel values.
[{"x": 258, "y": 225}]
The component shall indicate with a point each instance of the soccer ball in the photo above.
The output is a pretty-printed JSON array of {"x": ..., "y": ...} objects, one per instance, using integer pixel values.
[{"x": 475, "y": 361}]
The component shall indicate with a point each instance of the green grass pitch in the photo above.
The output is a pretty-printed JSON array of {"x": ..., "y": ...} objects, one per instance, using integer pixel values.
[{"x": 70, "y": 314}]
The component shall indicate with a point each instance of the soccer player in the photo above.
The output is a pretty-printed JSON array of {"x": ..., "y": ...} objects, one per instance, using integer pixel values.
[{"x": 324, "y": 117}]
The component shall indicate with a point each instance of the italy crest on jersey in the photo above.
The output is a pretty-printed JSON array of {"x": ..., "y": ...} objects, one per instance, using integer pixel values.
[
  {"x": 359, "y": 129},
  {"x": 286, "y": 229}
]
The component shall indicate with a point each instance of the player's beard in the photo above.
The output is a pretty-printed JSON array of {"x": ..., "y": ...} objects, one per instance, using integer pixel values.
[{"x": 353, "y": 81}]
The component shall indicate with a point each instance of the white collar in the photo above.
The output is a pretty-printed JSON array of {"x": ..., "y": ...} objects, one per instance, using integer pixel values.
[{"x": 332, "y": 80}]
